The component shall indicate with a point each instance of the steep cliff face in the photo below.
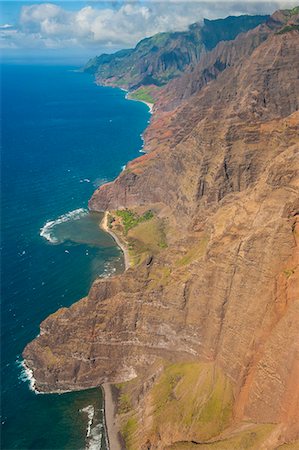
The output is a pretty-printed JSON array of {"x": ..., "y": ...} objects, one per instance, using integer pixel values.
[
  {"x": 225, "y": 115},
  {"x": 158, "y": 59},
  {"x": 218, "y": 310},
  {"x": 212, "y": 63}
]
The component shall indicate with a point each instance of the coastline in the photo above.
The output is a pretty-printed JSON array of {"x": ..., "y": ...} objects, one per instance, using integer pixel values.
[
  {"x": 122, "y": 246},
  {"x": 113, "y": 435},
  {"x": 149, "y": 105},
  {"x": 111, "y": 428},
  {"x": 27, "y": 372}
]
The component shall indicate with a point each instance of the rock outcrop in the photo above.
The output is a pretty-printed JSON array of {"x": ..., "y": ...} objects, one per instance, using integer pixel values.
[{"x": 223, "y": 298}]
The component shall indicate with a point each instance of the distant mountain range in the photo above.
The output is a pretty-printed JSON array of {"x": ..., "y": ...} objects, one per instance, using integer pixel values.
[{"x": 158, "y": 59}]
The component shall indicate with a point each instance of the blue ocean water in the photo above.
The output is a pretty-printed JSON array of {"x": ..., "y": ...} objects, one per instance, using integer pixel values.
[{"x": 62, "y": 136}]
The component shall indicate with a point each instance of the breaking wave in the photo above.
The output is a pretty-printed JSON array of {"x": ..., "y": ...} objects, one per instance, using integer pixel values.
[
  {"x": 94, "y": 433},
  {"x": 47, "y": 231},
  {"x": 26, "y": 376}
]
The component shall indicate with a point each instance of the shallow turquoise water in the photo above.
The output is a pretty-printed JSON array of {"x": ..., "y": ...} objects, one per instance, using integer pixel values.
[{"x": 62, "y": 136}]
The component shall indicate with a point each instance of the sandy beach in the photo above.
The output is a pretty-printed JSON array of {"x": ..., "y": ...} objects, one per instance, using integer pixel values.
[
  {"x": 149, "y": 105},
  {"x": 112, "y": 429},
  {"x": 104, "y": 226}
]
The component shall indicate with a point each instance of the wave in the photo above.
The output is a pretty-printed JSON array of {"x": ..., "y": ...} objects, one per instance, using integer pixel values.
[
  {"x": 93, "y": 434},
  {"x": 90, "y": 413},
  {"x": 109, "y": 270},
  {"x": 26, "y": 376},
  {"x": 143, "y": 143},
  {"x": 47, "y": 231},
  {"x": 99, "y": 182},
  {"x": 96, "y": 435}
]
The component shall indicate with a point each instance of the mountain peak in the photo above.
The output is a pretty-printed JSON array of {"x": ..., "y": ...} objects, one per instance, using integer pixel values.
[{"x": 158, "y": 59}]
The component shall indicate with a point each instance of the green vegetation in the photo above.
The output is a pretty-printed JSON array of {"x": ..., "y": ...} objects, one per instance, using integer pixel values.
[
  {"x": 131, "y": 219},
  {"x": 124, "y": 403},
  {"x": 167, "y": 54},
  {"x": 159, "y": 276},
  {"x": 110, "y": 221},
  {"x": 288, "y": 28},
  {"x": 161, "y": 39},
  {"x": 249, "y": 439},
  {"x": 194, "y": 396},
  {"x": 162, "y": 244},
  {"x": 128, "y": 431},
  {"x": 142, "y": 233},
  {"x": 289, "y": 272},
  {"x": 128, "y": 418},
  {"x": 294, "y": 11},
  {"x": 143, "y": 94},
  {"x": 194, "y": 253},
  {"x": 147, "y": 238}
]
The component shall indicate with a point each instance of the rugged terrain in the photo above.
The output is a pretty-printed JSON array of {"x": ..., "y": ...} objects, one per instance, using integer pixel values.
[
  {"x": 201, "y": 335},
  {"x": 158, "y": 59}
]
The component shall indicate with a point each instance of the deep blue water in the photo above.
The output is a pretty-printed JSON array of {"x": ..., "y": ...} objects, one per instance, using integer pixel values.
[{"x": 62, "y": 136}]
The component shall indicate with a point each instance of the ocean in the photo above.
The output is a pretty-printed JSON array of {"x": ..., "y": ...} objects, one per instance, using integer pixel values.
[{"x": 62, "y": 136}]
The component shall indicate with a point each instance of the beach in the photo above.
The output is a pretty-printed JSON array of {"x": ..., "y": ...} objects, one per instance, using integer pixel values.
[
  {"x": 112, "y": 429},
  {"x": 104, "y": 226},
  {"x": 149, "y": 105}
]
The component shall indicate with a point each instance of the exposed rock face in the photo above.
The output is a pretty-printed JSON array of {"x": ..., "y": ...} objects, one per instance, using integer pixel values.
[
  {"x": 226, "y": 115},
  {"x": 211, "y": 64},
  {"x": 224, "y": 172},
  {"x": 158, "y": 59}
]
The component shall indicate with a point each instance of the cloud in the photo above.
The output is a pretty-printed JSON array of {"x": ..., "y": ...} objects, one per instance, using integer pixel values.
[
  {"x": 5, "y": 26},
  {"x": 48, "y": 25}
]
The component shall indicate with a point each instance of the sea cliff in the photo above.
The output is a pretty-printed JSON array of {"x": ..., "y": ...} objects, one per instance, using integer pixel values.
[{"x": 201, "y": 333}]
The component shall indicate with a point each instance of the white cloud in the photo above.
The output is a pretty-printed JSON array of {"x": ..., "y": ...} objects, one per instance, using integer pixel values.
[
  {"x": 5, "y": 26},
  {"x": 48, "y": 25}
]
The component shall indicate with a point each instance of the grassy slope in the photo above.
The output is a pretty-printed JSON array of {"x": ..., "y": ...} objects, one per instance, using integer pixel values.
[
  {"x": 143, "y": 94},
  {"x": 143, "y": 234},
  {"x": 194, "y": 398},
  {"x": 251, "y": 439}
]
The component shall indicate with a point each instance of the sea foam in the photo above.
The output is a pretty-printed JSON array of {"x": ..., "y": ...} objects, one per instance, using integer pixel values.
[
  {"x": 90, "y": 413},
  {"x": 26, "y": 375},
  {"x": 47, "y": 231},
  {"x": 94, "y": 434},
  {"x": 95, "y": 441}
]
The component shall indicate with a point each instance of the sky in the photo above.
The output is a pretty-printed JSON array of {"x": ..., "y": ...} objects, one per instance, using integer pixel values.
[{"x": 81, "y": 29}]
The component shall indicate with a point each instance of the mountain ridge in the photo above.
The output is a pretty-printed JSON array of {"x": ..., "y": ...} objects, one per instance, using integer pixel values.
[{"x": 157, "y": 59}]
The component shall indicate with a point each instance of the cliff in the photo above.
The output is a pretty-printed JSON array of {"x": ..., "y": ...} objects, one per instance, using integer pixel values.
[
  {"x": 202, "y": 335},
  {"x": 158, "y": 59}
]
